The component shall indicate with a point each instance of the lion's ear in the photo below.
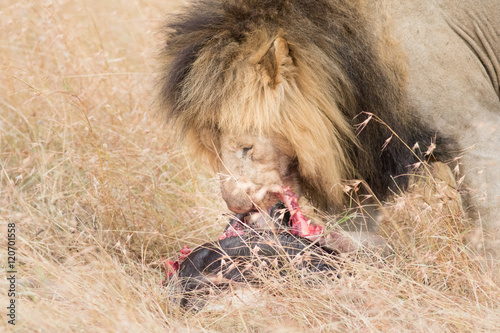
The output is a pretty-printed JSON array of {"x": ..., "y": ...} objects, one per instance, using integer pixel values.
[
  {"x": 281, "y": 50},
  {"x": 277, "y": 61}
]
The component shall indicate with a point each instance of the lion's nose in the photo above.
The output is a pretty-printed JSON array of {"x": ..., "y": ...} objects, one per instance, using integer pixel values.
[
  {"x": 240, "y": 209},
  {"x": 239, "y": 205},
  {"x": 237, "y": 200}
]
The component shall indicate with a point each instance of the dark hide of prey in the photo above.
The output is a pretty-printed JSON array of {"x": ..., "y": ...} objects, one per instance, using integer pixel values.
[{"x": 246, "y": 258}]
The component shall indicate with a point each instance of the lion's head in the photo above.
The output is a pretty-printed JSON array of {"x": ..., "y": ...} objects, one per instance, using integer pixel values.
[{"x": 268, "y": 93}]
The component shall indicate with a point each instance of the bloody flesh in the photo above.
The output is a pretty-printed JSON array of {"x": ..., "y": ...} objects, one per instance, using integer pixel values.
[
  {"x": 235, "y": 229},
  {"x": 300, "y": 225},
  {"x": 173, "y": 266}
]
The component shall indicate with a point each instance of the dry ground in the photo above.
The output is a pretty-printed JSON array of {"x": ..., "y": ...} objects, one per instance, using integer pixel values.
[{"x": 101, "y": 196}]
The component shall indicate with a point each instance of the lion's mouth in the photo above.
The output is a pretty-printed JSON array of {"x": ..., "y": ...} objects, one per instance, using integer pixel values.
[{"x": 286, "y": 215}]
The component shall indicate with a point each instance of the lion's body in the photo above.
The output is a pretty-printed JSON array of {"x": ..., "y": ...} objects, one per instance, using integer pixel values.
[
  {"x": 271, "y": 92},
  {"x": 453, "y": 61}
]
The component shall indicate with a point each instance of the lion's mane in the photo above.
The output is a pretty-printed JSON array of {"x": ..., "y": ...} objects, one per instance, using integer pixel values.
[{"x": 212, "y": 81}]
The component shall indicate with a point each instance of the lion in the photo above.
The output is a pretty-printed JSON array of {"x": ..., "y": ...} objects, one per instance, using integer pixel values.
[{"x": 311, "y": 94}]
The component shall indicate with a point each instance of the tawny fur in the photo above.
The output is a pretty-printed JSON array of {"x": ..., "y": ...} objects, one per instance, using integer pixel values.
[{"x": 297, "y": 71}]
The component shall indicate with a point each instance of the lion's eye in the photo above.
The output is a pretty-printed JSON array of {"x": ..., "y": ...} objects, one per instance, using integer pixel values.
[{"x": 246, "y": 151}]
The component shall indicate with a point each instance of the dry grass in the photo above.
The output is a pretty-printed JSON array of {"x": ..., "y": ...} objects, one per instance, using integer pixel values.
[{"x": 101, "y": 196}]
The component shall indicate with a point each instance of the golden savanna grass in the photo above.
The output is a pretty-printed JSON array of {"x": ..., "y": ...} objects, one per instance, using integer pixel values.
[{"x": 101, "y": 195}]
